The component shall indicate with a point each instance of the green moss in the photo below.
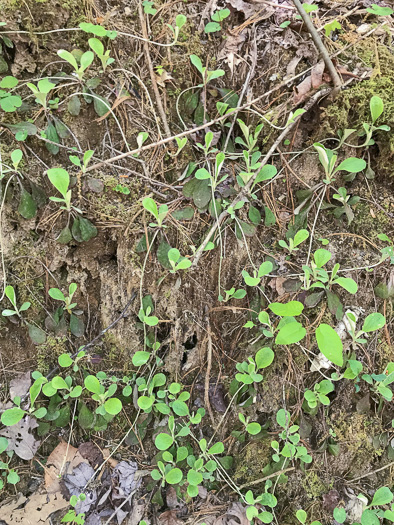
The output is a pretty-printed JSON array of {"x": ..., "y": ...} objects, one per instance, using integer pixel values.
[
  {"x": 251, "y": 462},
  {"x": 366, "y": 225},
  {"x": 313, "y": 485},
  {"x": 48, "y": 352}
]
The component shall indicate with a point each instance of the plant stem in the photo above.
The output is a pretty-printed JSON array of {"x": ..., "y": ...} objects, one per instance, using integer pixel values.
[{"x": 320, "y": 47}]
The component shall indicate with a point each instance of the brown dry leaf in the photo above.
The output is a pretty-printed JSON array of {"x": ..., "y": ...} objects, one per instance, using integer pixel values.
[
  {"x": 63, "y": 454},
  {"x": 37, "y": 509},
  {"x": 247, "y": 9},
  {"x": 20, "y": 385},
  {"x": 314, "y": 81},
  {"x": 235, "y": 515},
  {"x": 317, "y": 74},
  {"x": 169, "y": 517},
  {"x": 21, "y": 439},
  {"x": 277, "y": 284},
  {"x": 115, "y": 105},
  {"x": 163, "y": 78}
]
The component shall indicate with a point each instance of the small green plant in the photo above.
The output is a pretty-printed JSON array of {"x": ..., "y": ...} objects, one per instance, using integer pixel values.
[
  {"x": 328, "y": 160},
  {"x": 347, "y": 201},
  {"x": 85, "y": 160},
  {"x": 158, "y": 213},
  {"x": 84, "y": 61},
  {"x": 77, "y": 326},
  {"x": 97, "y": 46},
  {"x": 380, "y": 382},
  {"x": 177, "y": 261},
  {"x": 10, "y": 474},
  {"x": 207, "y": 75},
  {"x": 318, "y": 396},
  {"x": 60, "y": 179},
  {"x": 301, "y": 515},
  {"x": 379, "y": 10},
  {"x": 291, "y": 450},
  {"x": 234, "y": 294},
  {"x": 148, "y": 7},
  {"x": 122, "y": 189},
  {"x": 10, "y": 294},
  {"x": 82, "y": 229},
  {"x": 292, "y": 245},
  {"x": 371, "y": 514},
  {"x": 8, "y": 101},
  {"x": 372, "y": 322},
  {"x": 217, "y": 17},
  {"x": 44, "y": 86},
  {"x": 180, "y": 21},
  {"x": 72, "y": 516},
  {"x": 266, "y": 499},
  {"x": 108, "y": 405}
]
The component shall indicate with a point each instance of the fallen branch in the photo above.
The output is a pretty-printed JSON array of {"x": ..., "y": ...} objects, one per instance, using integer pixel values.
[{"x": 320, "y": 47}]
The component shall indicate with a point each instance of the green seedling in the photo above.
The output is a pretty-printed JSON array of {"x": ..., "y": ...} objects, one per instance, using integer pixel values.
[
  {"x": 10, "y": 474},
  {"x": 122, "y": 189},
  {"x": 180, "y": 21},
  {"x": 85, "y": 161},
  {"x": 181, "y": 143},
  {"x": 234, "y": 294},
  {"x": 315, "y": 276},
  {"x": 10, "y": 294},
  {"x": 44, "y": 86},
  {"x": 378, "y": 10},
  {"x": 97, "y": 46},
  {"x": 292, "y": 245},
  {"x": 331, "y": 26},
  {"x": 380, "y": 382},
  {"x": 159, "y": 214},
  {"x": 253, "y": 428},
  {"x": 372, "y": 322},
  {"x": 72, "y": 516},
  {"x": 318, "y": 395},
  {"x": 328, "y": 160},
  {"x": 8, "y": 101},
  {"x": 177, "y": 261},
  {"x": 257, "y": 504},
  {"x": 347, "y": 201},
  {"x": 301, "y": 515},
  {"x": 264, "y": 269},
  {"x": 217, "y": 17},
  {"x": 148, "y": 7},
  {"x": 290, "y": 436},
  {"x": 58, "y": 295},
  {"x": 77, "y": 326},
  {"x": 207, "y": 75},
  {"x": 84, "y": 62},
  {"x": 60, "y": 178},
  {"x": 371, "y": 514},
  {"x": 109, "y": 406}
]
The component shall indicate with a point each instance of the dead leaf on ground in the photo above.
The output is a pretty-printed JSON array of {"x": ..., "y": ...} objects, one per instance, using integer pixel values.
[
  {"x": 312, "y": 82},
  {"x": 163, "y": 78},
  {"x": 169, "y": 517},
  {"x": 36, "y": 509},
  {"x": 128, "y": 481},
  {"x": 76, "y": 482},
  {"x": 20, "y": 385},
  {"x": 117, "y": 102},
  {"x": 92, "y": 453},
  {"x": 63, "y": 454},
  {"x": 21, "y": 439},
  {"x": 235, "y": 515}
]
